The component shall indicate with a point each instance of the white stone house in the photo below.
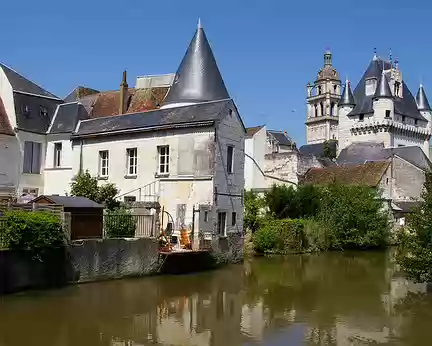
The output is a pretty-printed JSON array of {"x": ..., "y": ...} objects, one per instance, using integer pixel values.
[
  {"x": 26, "y": 111},
  {"x": 188, "y": 154}
]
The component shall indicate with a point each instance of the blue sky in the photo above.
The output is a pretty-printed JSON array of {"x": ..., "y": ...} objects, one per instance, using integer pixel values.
[{"x": 266, "y": 50}]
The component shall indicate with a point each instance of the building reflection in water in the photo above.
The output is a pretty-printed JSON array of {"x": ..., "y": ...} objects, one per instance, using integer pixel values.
[{"x": 330, "y": 299}]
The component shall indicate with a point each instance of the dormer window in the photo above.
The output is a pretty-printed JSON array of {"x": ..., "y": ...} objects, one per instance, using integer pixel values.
[
  {"x": 397, "y": 89},
  {"x": 43, "y": 111},
  {"x": 24, "y": 109},
  {"x": 370, "y": 86}
]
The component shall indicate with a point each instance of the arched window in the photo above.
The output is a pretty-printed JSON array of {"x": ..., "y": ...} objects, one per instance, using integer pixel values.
[
  {"x": 332, "y": 106},
  {"x": 322, "y": 108},
  {"x": 316, "y": 110},
  {"x": 319, "y": 89}
]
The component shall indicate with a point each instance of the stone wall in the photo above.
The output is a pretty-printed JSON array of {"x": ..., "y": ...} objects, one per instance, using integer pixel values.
[{"x": 94, "y": 260}]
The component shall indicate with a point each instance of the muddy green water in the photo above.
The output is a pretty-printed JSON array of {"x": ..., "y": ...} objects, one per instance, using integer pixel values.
[{"x": 327, "y": 299}]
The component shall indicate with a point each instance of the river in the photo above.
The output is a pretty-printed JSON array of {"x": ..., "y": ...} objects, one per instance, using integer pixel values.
[{"x": 355, "y": 298}]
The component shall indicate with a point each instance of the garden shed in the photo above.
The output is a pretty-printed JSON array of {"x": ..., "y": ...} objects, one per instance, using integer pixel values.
[{"x": 86, "y": 216}]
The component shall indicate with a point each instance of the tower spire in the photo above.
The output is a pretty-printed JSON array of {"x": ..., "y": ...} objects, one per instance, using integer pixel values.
[
  {"x": 327, "y": 57},
  {"x": 383, "y": 88},
  {"x": 347, "y": 98},
  {"x": 198, "y": 78},
  {"x": 422, "y": 101}
]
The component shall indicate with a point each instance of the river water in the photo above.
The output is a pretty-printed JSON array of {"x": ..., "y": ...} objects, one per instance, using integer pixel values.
[{"x": 327, "y": 299}]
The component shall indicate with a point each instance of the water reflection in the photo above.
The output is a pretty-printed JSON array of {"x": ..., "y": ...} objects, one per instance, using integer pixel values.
[{"x": 328, "y": 299}]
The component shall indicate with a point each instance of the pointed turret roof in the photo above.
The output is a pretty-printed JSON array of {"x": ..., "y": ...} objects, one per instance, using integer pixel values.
[
  {"x": 383, "y": 88},
  {"x": 347, "y": 98},
  {"x": 198, "y": 78},
  {"x": 422, "y": 101}
]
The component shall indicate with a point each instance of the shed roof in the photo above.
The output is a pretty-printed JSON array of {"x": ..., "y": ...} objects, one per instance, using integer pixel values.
[
  {"x": 369, "y": 174},
  {"x": 69, "y": 201}
]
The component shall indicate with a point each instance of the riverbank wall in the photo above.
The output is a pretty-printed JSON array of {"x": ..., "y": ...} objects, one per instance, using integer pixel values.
[{"x": 108, "y": 259}]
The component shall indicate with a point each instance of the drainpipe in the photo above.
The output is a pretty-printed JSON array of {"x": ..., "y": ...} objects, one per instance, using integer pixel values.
[{"x": 81, "y": 157}]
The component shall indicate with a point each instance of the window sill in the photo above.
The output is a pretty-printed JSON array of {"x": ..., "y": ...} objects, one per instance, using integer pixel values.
[
  {"x": 161, "y": 175},
  {"x": 27, "y": 173},
  {"x": 130, "y": 176},
  {"x": 103, "y": 178}
]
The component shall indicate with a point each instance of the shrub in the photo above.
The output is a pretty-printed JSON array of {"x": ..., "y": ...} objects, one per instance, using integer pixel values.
[
  {"x": 120, "y": 223},
  {"x": 253, "y": 210},
  {"x": 319, "y": 236},
  {"x": 33, "y": 231},
  {"x": 355, "y": 217},
  {"x": 281, "y": 236},
  {"x": 415, "y": 249}
]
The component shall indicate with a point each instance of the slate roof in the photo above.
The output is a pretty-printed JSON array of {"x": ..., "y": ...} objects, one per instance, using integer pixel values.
[
  {"x": 281, "y": 137},
  {"x": 79, "y": 92},
  {"x": 67, "y": 116},
  {"x": 5, "y": 126},
  {"x": 361, "y": 152},
  {"x": 21, "y": 84},
  {"x": 198, "y": 78},
  {"x": 69, "y": 201},
  {"x": 347, "y": 98},
  {"x": 421, "y": 100},
  {"x": 406, "y": 206},
  {"x": 383, "y": 88},
  {"x": 34, "y": 113},
  {"x": 317, "y": 149},
  {"x": 250, "y": 131},
  {"x": 156, "y": 119},
  {"x": 369, "y": 174},
  {"x": 403, "y": 106}
]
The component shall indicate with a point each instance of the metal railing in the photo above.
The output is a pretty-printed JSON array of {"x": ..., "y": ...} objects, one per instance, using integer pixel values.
[
  {"x": 127, "y": 225},
  {"x": 146, "y": 193}
]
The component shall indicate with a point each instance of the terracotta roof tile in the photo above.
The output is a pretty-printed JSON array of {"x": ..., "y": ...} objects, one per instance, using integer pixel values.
[
  {"x": 250, "y": 131},
  {"x": 369, "y": 174},
  {"x": 5, "y": 126},
  {"x": 147, "y": 99},
  {"x": 107, "y": 103}
]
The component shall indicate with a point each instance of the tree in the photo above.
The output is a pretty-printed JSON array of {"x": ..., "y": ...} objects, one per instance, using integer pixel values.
[
  {"x": 415, "y": 248},
  {"x": 253, "y": 206},
  {"x": 329, "y": 150},
  {"x": 86, "y": 185}
]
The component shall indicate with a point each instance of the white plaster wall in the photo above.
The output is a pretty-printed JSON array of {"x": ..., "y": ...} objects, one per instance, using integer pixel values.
[
  {"x": 283, "y": 166},
  {"x": 57, "y": 179},
  {"x": 249, "y": 170},
  {"x": 407, "y": 180},
  {"x": 6, "y": 94},
  {"x": 260, "y": 146},
  {"x": 9, "y": 162},
  {"x": 230, "y": 132},
  {"x": 27, "y": 180}
]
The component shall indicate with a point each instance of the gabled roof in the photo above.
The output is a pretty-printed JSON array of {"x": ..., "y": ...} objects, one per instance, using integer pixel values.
[
  {"x": 67, "y": 116},
  {"x": 5, "y": 125},
  {"x": 281, "y": 137},
  {"x": 69, "y": 201},
  {"x": 250, "y": 131},
  {"x": 185, "y": 116},
  {"x": 364, "y": 103},
  {"x": 368, "y": 174},
  {"x": 361, "y": 152},
  {"x": 21, "y": 84},
  {"x": 422, "y": 101},
  {"x": 198, "y": 78},
  {"x": 79, "y": 92}
]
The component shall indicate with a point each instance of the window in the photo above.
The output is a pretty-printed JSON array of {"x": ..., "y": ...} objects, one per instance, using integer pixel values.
[
  {"x": 30, "y": 191},
  {"x": 24, "y": 109},
  {"x": 322, "y": 108},
  {"x": 397, "y": 88},
  {"x": 206, "y": 216},
  {"x": 370, "y": 86},
  {"x": 361, "y": 117},
  {"x": 57, "y": 154},
  {"x": 230, "y": 159},
  {"x": 163, "y": 153},
  {"x": 403, "y": 118},
  {"x": 43, "y": 111},
  {"x": 319, "y": 89},
  {"x": 332, "y": 106},
  {"x": 316, "y": 110},
  {"x": 222, "y": 223},
  {"x": 132, "y": 161},
  {"x": 32, "y": 157},
  {"x": 387, "y": 181},
  {"x": 335, "y": 89},
  {"x": 415, "y": 122},
  {"x": 103, "y": 163},
  {"x": 129, "y": 199},
  {"x": 233, "y": 218},
  {"x": 387, "y": 113}
]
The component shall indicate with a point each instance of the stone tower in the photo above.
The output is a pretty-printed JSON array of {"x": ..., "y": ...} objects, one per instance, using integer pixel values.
[{"x": 322, "y": 104}]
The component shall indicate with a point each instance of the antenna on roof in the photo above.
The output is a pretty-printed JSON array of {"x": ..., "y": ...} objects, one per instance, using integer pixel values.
[{"x": 375, "y": 57}]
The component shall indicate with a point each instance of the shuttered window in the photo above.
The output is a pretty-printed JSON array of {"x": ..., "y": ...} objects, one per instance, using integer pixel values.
[{"x": 32, "y": 157}]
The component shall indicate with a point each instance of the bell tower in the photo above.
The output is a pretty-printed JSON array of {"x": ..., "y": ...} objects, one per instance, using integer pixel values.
[{"x": 322, "y": 103}]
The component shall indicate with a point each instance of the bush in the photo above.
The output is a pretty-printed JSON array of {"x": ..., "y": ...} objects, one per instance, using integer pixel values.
[
  {"x": 415, "y": 250},
  {"x": 253, "y": 210},
  {"x": 354, "y": 216},
  {"x": 319, "y": 236},
  {"x": 33, "y": 231},
  {"x": 281, "y": 236},
  {"x": 120, "y": 223}
]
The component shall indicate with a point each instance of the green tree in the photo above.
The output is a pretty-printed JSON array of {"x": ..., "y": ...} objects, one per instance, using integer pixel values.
[
  {"x": 253, "y": 210},
  {"x": 120, "y": 223},
  {"x": 415, "y": 249},
  {"x": 86, "y": 185},
  {"x": 329, "y": 150}
]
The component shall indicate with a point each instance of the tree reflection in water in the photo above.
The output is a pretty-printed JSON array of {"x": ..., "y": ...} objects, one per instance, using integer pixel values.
[{"x": 351, "y": 298}]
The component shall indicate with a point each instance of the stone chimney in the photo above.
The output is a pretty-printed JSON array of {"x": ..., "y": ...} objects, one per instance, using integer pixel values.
[{"x": 123, "y": 95}]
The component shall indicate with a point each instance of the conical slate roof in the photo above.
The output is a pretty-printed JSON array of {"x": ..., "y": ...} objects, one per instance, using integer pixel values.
[
  {"x": 422, "y": 101},
  {"x": 198, "y": 78},
  {"x": 383, "y": 88},
  {"x": 347, "y": 98}
]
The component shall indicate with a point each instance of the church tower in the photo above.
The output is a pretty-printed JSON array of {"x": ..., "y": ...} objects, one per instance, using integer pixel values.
[{"x": 322, "y": 104}]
